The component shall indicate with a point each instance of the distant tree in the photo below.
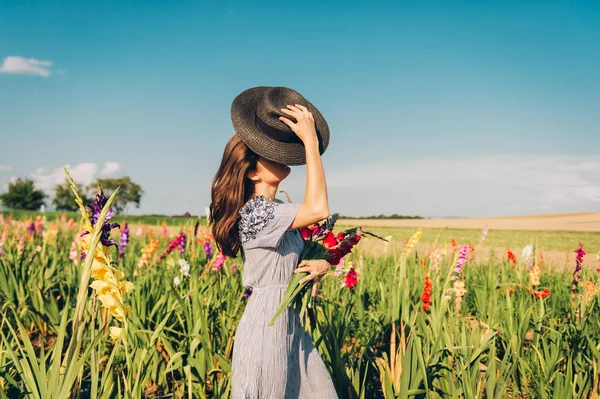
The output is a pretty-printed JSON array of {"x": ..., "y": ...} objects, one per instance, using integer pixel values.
[
  {"x": 64, "y": 199},
  {"x": 22, "y": 194},
  {"x": 129, "y": 193}
]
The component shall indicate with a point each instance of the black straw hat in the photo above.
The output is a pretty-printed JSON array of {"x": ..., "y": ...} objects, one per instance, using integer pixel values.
[{"x": 255, "y": 115}]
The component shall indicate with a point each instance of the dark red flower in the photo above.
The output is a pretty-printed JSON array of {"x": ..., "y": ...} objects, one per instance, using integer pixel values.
[
  {"x": 335, "y": 260},
  {"x": 351, "y": 278},
  {"x": 336, "y": 255},
  {"x": 355, "y": 239},
  {"x": 329, "y": 241}
]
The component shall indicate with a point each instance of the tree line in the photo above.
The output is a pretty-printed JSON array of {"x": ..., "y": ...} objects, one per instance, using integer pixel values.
[{"x": 22, "y": 194}]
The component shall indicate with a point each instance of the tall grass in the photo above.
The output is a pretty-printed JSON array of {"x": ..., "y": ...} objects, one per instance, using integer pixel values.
[{"x": 376, "y": 339}]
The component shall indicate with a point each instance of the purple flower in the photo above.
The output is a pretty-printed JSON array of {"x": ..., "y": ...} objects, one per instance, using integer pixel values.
[
  {"x": 82, "y": 256},
  {"x": 208, "y": 249},
  {"x": 247, "y": 293},
  {"x": 578, "y": 261},
  {"x": 182, "y": 244},
  {"x": 96, "y": 209},
  {"x": 462, "y": 259},
  {"x": 31, "y": 228},
  {"x": 186, "y": 215},
  {"x": 124, "y": 240}
]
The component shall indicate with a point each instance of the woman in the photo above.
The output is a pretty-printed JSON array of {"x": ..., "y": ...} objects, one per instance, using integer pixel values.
[{"x": 275, "y": 127}]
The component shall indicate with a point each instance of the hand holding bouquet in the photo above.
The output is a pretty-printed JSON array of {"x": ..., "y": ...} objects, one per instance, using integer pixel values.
[{"x": 320, "y": 243}]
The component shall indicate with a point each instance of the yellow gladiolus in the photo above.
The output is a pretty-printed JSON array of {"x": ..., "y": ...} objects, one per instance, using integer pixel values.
[
  {"x": 125, "y": 287},
  {"x": 413, "y": 241},
  {"x": 117, "y": 333},
  {"x": 101, "y": 287}
]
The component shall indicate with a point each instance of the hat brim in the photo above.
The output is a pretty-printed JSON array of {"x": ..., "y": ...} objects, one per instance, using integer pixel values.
[{"x": 243, "y": 112}]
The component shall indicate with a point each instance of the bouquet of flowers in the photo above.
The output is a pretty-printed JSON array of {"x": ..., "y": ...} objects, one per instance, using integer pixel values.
[{"x": 320, "y": 242}]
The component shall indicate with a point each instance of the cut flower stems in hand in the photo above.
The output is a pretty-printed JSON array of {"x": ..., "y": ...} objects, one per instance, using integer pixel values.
[{"x": 320, "y": 242}]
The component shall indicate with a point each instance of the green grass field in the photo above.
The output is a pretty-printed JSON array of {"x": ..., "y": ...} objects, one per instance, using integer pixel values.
[{"x": 547, "y": 240}]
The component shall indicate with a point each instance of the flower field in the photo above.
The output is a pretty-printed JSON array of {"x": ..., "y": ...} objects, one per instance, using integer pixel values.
[{"x": 135, "y": 312}]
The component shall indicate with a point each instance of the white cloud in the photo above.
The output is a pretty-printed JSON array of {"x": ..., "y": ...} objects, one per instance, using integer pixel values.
[
  {"x": 26, "y": 66},
  {"x": 83, "y": 173},
  {"x": 4, "y": 168},
  {"x": 490, "y": 186},
  {"x": 110, "y": 168}
]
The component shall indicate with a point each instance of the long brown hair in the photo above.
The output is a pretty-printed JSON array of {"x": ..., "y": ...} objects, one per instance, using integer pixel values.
[{"x": 230, "y": 190}]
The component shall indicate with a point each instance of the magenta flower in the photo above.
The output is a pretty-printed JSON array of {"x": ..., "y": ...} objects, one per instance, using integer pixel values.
[
  {"x": 182, "y": 243},
  {"x": 124, "y": 240},
  {"x": 462, "y": 259},
  {"x": 577, "y": 273},
  {"x": 218, "y": 263},
  {"x": 174, "y": 243}
]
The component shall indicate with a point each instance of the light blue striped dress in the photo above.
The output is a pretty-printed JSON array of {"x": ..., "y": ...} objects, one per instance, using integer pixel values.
[{"x": 280, "y": 361}]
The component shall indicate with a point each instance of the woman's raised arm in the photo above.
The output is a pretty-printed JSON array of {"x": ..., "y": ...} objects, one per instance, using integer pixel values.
[{"x": 315, "y": 207}]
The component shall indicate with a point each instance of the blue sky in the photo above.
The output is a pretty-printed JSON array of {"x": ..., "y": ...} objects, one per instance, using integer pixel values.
[{"x": 435, "y": 108}]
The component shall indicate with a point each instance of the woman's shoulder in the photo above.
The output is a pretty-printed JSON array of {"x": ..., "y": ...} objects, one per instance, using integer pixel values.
[
  {"x": 256, "y": 213},
  {"x": 258, "y": 204}
]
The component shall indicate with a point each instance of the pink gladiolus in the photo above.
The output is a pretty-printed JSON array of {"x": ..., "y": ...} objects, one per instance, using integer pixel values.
[
  {"x": 462, "y": 259},
  {"x": 73, "y": 254},
  {"x": 339, "y": 268},
  {"x": 484, "y": 233},
  {"x": 218, "y": 263}
]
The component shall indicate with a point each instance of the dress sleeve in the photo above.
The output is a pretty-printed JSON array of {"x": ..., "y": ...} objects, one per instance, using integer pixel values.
[{"x": 264, "y": 222}]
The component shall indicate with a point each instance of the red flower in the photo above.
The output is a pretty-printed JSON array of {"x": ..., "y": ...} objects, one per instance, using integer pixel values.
[
  {"x": 351, "y": 278},
  {"x": 340, "y": 236},
  {"x": 511, "y": 257},
  {"x": 542, "y": 294},
  {"x": 305, "y": 232},
  {"x": 426, "y": 297},
  {"x": 329, "y": 241}
]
